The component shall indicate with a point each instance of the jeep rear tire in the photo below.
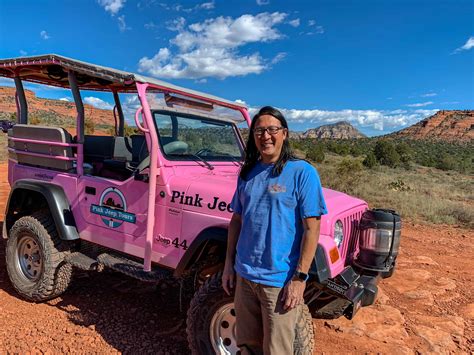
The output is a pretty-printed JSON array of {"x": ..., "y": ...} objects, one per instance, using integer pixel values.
[
  {"x": 211, "y": 323},
  {"x": 35, "y": 258}
]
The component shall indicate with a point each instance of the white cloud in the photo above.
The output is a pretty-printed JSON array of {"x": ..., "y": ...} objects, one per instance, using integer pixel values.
[
  {"x": 210, "y": 48},
  {"x": 6, "y": 82},
  {"x": 177, "y": 24},
  {"x": 112, "y": 6},
  {"x": 64, "y": 99},
  {"x": 294, "y": 23},
  {"x": 263, "y": 2},
  {"x": 23, "y": 53},
  {"x": 376, "y": 119},
  {"x": 122, "y": 25},
  {"x": 315, "y": 29},
  {"x": 429, "y": 94},
  {"x": 150, "y": 25},
  {"x": 380, "y": 120},
  {"x": 44, "y": 35},
  {"x": 278, "y": 58},
  {"x": 420, "y": 104},
  {"x": 98, "y": 103},
  {"x": 178, "y": 8},
  {"x": 468, "y": 45},
  {"x": 207, "y": 5}
]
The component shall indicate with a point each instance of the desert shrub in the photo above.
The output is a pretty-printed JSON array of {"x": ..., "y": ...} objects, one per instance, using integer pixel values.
[
  {"x": 89, "y": 126},
  {"x": 399, "y": 185},
  {"x": 316, "y": 154},
  {"x": 446, "y": 162},
  {"x": 370, "y": 160},
  {"x": 386, "y": 153},
  {"x": 461, "y": 214},
  {"x": 34, "y": 120},
  {"x": 341, "y": 149},
  {"x": 348, "y": 175},
  {"x": 356, "y": 150},
  {"x": 404, "y": 151}
]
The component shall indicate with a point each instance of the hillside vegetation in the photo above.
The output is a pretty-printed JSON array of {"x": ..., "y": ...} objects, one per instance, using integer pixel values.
[{"x": 420, "y": 194}]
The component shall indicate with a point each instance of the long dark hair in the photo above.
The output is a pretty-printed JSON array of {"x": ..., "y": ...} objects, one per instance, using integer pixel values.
[{"x": 252, "y": 155}]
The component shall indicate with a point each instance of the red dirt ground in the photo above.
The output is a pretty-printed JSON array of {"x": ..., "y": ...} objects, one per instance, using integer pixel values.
[{"x": 426, "y": 307}]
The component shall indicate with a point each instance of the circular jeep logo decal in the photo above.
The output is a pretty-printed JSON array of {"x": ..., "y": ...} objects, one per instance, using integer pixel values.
[{"x": 113, "y": 208}]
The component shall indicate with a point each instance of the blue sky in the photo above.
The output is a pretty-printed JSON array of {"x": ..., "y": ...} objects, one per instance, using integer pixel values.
[{"x": 380, "y": 64}]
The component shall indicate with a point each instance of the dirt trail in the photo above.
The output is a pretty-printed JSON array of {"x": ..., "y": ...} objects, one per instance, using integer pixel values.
[{"x": 426, "y": 307}]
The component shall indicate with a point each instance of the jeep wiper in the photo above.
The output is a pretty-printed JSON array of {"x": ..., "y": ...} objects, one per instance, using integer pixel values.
[
  {"x": 232, "y": 158},
  {"x": 206, "y": 163}
]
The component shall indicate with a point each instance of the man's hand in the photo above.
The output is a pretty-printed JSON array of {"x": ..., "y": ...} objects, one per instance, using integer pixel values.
[
  {"x": 228, "y": 278},
  {"x": 293, "y": 294}
]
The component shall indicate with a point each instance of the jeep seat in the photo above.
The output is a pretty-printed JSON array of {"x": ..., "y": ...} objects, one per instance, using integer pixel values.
[{"x": 47, "y": 151}]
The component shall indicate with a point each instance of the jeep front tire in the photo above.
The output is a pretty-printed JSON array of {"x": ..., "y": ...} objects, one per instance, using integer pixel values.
[
  {"x": 211, "y": 322},
  {"x": 35, "y": 258}
]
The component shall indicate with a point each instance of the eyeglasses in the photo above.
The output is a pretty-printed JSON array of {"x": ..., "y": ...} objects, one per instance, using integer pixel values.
[{"x": 272, "y": 130}]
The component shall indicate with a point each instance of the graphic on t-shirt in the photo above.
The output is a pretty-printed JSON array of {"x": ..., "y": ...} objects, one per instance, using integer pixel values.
[{"x": 275, "y": 188}]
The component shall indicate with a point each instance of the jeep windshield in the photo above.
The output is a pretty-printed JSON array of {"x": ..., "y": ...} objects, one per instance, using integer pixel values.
[{"x": 188, "y": 136}]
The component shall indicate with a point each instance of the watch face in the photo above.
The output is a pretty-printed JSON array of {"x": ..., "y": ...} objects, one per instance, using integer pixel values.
[{"x": 301, "y": 275}]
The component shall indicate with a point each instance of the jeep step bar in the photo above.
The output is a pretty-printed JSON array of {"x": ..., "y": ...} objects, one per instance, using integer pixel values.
[{"x": 117, "y": 263}]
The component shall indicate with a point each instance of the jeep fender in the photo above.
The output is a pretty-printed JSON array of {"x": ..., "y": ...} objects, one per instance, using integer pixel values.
[
  {"x": 194, "y": 253},
  {"x": 30, "y": 194},
  {"x": 319, "y": 270}
]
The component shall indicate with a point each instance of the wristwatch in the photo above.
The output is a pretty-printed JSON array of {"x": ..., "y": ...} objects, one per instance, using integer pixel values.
[{"x": 301, "y": 276}]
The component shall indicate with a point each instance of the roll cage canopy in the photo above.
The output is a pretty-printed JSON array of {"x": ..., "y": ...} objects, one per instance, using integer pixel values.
[{"x": 53, "y": 69}]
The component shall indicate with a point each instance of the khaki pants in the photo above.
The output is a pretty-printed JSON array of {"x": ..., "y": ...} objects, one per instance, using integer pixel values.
[{"x": 263, "y": 326}]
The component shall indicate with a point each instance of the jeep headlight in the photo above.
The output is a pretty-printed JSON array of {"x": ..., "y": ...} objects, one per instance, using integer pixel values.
[{"x": 338, "y": 233}]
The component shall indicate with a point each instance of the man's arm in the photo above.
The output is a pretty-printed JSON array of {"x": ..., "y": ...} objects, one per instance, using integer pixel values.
[
  {"x": 294, "y": 289},
  {"x": 309, "y": 243},
  {"x": 228, "y": 275}
]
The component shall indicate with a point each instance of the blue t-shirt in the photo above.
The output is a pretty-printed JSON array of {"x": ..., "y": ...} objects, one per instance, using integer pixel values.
[{"x": 272, "y": 209}]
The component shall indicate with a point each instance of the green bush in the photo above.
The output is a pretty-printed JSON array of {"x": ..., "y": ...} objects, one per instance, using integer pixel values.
[
  {"x": 316, "y": 154},
  {"x": 386, "y": 153},
  {"x": 446, "y": 162},
  {"x": 405, "y": 152},
  {"x": 370, "y": 160}
]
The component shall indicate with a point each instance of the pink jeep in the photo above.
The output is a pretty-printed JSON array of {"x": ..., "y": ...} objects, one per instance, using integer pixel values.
[{"x": 155, "y": 205}]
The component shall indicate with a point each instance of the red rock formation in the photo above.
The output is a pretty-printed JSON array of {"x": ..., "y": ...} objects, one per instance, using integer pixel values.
[
  {"x": 62, "y": 108},
  {"x": 447, "y": 125}
]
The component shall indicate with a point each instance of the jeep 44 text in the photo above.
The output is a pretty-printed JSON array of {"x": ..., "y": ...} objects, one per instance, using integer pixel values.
[{"x": 155, "y": 205}]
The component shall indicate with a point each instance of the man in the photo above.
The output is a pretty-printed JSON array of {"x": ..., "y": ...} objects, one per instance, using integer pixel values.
[{"x": 272, "y": 238}]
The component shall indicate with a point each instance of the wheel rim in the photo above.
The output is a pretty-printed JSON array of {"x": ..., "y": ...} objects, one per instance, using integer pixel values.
[
  {"x": 30, "y": 261},
  {"x": 223, "y": 331}
]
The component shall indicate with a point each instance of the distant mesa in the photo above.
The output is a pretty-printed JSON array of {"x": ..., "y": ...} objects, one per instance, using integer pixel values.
[
  {"x": 62, "y": 112},
  {"x": 339, "y": 130},
  {"x": 447, "y": 125}
]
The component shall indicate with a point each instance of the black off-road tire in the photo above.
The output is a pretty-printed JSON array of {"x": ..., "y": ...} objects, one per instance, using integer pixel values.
[
  {"x": 210, "y": 298},
  {"x": 52, "y": 274},
  {"x": 304, "y": 339}
]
